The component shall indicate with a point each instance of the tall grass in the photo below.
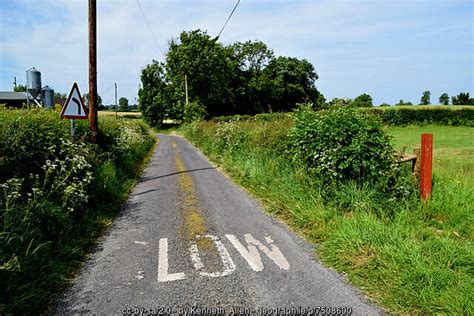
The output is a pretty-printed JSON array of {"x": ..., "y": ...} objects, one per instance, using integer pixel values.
[
  {"x": 407, "y": 256},
  {"x": 56, "y": 196}
]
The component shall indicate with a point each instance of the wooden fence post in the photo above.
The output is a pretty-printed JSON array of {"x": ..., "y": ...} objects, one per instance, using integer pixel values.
[
  {"x": 426, "y": 165},
  {"x": 415, "y": 166}
]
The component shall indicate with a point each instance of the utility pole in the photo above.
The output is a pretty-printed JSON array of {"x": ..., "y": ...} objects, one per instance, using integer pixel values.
[
  {"x": 186, "y": 88},
  {"x": 93, "y": 122},
  {"x": 14, "y": 83},
  {"x": 116, "y": 116}
]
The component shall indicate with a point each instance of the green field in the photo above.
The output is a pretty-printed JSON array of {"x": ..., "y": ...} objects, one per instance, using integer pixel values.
[
  {"x": 453, "y": 149},
  {"x": 409, "y": 257}
]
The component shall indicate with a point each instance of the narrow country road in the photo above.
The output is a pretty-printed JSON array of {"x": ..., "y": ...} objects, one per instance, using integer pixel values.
[{"x": 189, "y": 237}]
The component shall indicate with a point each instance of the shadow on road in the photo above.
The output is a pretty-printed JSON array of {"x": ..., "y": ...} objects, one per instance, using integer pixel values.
[{"x": 144, "y": 179}]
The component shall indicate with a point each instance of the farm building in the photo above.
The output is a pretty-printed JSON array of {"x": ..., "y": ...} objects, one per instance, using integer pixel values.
[{"x": 13, "y": 99}]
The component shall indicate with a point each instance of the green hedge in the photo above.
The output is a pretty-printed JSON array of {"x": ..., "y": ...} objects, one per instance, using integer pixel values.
[
  {"x": 258, "y": 117},
  {"x": 56, "y": 196},
  {"x": 425, "y": 115}
]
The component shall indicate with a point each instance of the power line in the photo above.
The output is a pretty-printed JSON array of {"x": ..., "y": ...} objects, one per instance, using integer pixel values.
[
  {"x": 227, "y": 18},
  {"x": 148, "y": 24}
]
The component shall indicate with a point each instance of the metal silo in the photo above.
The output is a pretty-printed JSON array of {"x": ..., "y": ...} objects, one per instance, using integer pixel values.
[
  {"x": 47, "y": 94},
  {"x": 33, "y": 82}
]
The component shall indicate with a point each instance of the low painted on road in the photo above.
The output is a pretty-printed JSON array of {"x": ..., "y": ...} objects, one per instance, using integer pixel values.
[{"x": 250, "y": 253}]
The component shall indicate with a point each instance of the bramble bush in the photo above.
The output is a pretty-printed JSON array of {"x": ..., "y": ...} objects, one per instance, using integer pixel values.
[
  {"x": 341, "y": 145},
  {"x": 55, "y": 195}
]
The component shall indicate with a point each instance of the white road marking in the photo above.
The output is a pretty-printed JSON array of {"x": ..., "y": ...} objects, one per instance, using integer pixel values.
[
  {"x": 250, "y": 252},
  {"x": 163, "y": 275},
  {"x": 228, "y": 264},
  {"x": 252, "y": 256},
  {"x": 143, "y": 243}
]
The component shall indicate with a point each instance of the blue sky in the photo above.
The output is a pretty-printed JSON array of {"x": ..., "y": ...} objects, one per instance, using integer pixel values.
[{"x": 390, "y": 49}]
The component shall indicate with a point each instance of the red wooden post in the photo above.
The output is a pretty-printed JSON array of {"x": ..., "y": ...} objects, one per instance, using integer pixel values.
[{"x": 426, "y": 165}]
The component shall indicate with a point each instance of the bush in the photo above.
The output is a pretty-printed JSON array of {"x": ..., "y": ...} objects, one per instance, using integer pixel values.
[
  {"x": 340, "y": 145},
  {"x": 194, "y": 111},
  {"x": 424, "y": 115}
]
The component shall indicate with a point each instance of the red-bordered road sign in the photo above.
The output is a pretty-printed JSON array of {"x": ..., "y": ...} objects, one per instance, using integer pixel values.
[{"x": 74, "y": 107}]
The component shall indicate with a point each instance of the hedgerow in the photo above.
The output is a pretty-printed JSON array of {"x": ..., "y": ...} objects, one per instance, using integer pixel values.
[
  {"x": 56, "y": 195},
  {"x": 451, "y": 115}
]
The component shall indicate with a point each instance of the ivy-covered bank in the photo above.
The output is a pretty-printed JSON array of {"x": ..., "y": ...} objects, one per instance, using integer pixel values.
[{"x": 56, "y": 196}]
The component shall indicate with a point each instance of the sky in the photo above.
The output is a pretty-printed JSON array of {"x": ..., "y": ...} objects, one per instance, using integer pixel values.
[{"x": 389, "y": 49}]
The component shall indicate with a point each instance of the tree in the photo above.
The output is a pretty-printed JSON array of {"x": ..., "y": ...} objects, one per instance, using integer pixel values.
[
  {"x": 240, "y": 78},
  {"x": 123, "y": 104},
  {"x": 20, "y": 88},
  {"x": 384, "y": 104},
  {"x": 461, "y": 99},
  {"x": 153, "y": 95},
  {"x": 59, "y": 98},
  {"x": 250, "y": 58},
  {"x": 289, "y": 81},
  {"x": 320, "y": 101},
  {"x": 341, "y": 102},
  {"x": 402, "y": 103},
  {"x": 444, "y": 99},
  {"x": 425, "y": 98},
  {"x": 85, "y": 97},
  {"x": 364, "y": 100},
  {"x": 209, "y": 72}
]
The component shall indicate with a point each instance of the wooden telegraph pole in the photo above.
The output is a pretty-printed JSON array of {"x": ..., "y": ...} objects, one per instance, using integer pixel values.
[{"x": 93, "y": 123}]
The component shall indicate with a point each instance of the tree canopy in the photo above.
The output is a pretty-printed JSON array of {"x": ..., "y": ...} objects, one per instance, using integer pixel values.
[
  {"x": 363, "y": 100},
  {"x": 20, "y": 88},
  {"x": 85, "y": 97},
  {"x": 123, "y": 104},
  {"x": 462, "y": 99},
  {"x": 154, "y": 93},
  {"x": 425, "y": 98},
  {"x": 444, "y": 99},
  {"x": 242, "y": 78}
]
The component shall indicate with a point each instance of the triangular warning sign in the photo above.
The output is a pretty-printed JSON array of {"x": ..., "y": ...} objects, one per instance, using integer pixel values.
[{"x": 74, "y": 107}]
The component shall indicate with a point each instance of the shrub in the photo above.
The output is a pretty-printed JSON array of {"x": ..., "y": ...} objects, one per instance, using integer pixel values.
[
  {"x": 194, "y": 111},
  {"x": 340, "y": 145}
]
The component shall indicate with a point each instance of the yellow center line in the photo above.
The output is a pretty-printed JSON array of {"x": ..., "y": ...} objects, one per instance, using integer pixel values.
[{"x": 193, "y": 223}]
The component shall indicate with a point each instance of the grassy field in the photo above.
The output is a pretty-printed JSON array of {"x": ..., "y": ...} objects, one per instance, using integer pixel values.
[
  {"x": 418, "y": 259},
  {"x": 452, "y": 143}
]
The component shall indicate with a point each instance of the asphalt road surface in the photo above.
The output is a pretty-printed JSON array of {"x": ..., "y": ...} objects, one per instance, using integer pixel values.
[{"x": 188, "y": 237}]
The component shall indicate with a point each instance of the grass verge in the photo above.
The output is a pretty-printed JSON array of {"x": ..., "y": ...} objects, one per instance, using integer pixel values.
[{"x": 417, "y": 258}]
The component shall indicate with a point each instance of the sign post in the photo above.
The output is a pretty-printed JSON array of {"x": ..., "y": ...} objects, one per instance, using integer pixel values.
[{"x": 74, "y": 108}]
